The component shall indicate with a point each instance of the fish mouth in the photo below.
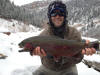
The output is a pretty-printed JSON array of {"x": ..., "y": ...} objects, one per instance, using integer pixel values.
[
  {"x": 20, "y": 46},
  {"x": 23, "y": 50}
]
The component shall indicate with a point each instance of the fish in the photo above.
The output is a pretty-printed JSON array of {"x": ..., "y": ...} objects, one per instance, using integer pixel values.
[{"x": 55, "y": 46}]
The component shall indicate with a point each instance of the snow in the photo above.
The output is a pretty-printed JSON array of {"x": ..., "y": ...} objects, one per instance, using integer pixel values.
[
  {"x": 15, "y": 26},
  {"x": 91, "y": 39},
  {"x": 22, "y": 2},
  {"x": 84, "y": 70},
  {"x": 22, "y": 63},
  {"x": 94, "y": 57},
  {"x": 10, "y": 48},
  {"x": 2, "y": 29}
]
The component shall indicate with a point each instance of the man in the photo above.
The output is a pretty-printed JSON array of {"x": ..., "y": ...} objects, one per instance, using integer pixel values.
[{"x": 58, "y": 26}]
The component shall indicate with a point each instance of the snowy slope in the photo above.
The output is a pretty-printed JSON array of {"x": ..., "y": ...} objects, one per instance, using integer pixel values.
[
  {"x": 22, "y": 2},
  {"x": 84, "y": 70},
  {"x": 15, "y": 60},
  {"x": 9, "y": 46},
  {"x": 11, "y": 25}
]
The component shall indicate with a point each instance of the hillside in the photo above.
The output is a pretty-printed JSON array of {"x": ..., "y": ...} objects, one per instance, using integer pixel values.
[
  {"x": 92, "y": 29},
  {"x": 14, "y": 26},
  {"x": 80, "y": 11}
]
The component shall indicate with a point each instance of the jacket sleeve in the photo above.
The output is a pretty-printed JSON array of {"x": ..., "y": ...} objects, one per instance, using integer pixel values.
[
  {"x": 77, "y": 36},
  {"x": 44, "y": 33},
  {"x": 74, "y": 34}
]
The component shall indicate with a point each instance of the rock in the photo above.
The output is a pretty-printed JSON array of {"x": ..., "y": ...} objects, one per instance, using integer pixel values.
[
  {"x": 7, "y": 33},
  {"x": 92, "y": 64},
  {"x": 2, "y": 56}
]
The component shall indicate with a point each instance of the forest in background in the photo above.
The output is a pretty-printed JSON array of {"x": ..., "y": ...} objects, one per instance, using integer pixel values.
[
  {"x": 83, "y": 12},
  {"x": 35, "y": 13}
]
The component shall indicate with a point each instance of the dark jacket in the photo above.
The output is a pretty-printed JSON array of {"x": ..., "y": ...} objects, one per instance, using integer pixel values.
[{"x": 71, "y": 34}]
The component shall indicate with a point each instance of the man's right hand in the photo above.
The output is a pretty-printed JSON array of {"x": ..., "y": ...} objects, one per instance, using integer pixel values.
[{"x": 38, "y": 51}]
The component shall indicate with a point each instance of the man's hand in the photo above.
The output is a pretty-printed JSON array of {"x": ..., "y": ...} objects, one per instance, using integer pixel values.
[
  {"x": 38, "y": 51},
  {"x": 88, "y": 51}
]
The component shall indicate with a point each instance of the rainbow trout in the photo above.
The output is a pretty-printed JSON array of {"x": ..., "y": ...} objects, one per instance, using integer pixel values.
[{"x": 55, "y": 46}]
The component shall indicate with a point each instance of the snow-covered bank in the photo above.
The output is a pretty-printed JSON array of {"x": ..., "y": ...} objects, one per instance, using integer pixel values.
[
  {"x": 9, "y": 46},
  {"x": 84, "y": 70},
  {"x": 15, "y": 60}
]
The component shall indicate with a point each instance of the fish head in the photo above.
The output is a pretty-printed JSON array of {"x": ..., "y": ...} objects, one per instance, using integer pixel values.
[{"x": 28, "y": 46}]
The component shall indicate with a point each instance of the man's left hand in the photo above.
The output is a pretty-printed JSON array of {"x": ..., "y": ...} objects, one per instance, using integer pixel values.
[{"x": 88, "y": 51}]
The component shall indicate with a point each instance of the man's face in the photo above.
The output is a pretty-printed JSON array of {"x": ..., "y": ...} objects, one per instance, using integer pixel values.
[{"x": 57, "y": 18}]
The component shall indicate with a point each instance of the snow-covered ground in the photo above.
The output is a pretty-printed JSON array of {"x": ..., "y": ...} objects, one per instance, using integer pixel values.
[
  {"x": 22, "y": 63},
  {"x": 9, "y": 46},
  {"x": 84, "y": 70},
  {"x": 15, "y": 60}
]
